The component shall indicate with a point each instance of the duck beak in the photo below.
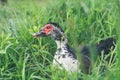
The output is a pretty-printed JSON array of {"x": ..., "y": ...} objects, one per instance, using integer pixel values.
[{"x": 39, "y": 34}]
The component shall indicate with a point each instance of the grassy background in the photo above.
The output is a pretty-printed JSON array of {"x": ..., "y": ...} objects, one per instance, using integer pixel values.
[{"x": 84, "y": 21}]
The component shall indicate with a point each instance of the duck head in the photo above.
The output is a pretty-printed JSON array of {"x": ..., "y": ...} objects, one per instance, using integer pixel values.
[{"x": 50, "y": 29}]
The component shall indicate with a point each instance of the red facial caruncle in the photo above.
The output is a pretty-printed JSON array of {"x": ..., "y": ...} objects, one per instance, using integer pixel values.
[{"x": 48, "y": 28}]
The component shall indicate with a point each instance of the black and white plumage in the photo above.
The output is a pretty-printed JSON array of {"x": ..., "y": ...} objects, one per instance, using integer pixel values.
[{"x": 64, "y": 56}]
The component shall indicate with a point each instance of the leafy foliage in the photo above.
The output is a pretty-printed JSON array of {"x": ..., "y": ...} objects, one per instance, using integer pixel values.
[{"x": 84, "y": 21}]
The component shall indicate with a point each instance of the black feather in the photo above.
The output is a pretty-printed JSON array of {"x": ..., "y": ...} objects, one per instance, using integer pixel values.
[
  {"x": 106, "y": 45},
  {"x": 103, "y": 46}
]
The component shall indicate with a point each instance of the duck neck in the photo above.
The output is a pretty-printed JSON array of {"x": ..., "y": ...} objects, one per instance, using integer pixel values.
[
  {"x": 64, "y": 49},
  {"x": 62, "y": 46}
]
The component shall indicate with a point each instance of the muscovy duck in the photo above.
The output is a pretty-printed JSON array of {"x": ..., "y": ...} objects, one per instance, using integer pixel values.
[{"x": 64, "y": 56}]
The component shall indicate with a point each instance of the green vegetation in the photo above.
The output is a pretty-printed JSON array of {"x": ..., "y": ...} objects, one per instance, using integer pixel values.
[{"x": 85, "y": 21}]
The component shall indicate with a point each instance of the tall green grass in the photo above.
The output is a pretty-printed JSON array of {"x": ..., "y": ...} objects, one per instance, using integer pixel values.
[{"x": 85, "y": 22}]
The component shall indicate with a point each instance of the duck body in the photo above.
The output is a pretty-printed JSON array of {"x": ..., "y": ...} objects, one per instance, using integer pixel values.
[{"x": 64, "y": 57}]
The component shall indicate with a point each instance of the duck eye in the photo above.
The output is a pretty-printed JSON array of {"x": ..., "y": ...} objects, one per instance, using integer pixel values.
[{"x": 48, "y": 27}]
